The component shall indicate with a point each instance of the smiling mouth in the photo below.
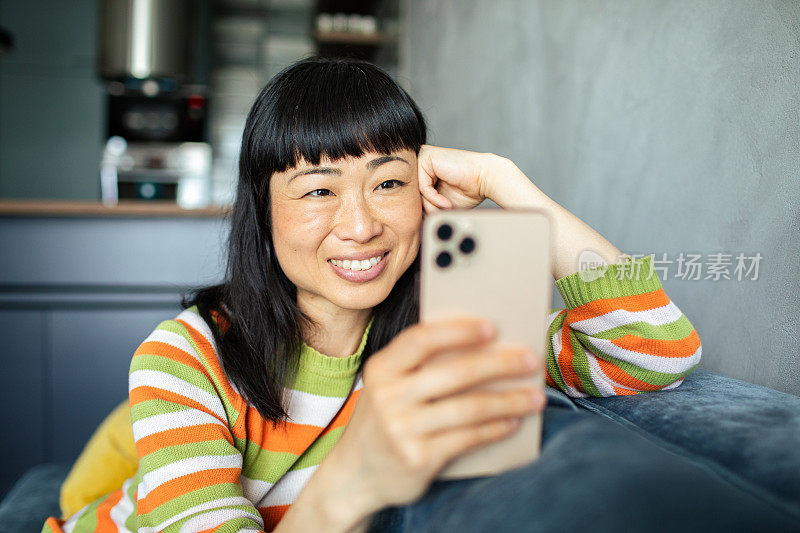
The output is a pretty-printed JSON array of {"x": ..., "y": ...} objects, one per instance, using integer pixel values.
[{"x": 357, "y": 265}]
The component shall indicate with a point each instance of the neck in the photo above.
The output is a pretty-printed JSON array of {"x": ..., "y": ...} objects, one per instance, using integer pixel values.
[{"x": 338, "y": 332}]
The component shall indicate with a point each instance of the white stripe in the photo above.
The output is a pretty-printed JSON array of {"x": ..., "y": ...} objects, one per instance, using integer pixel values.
[
  {"x": 215, "y": 518},
  {"x": 123, "y": 509},
  {"x": 552, "y": 316},
  {"x": 197, "y": 322},
  {"x": 358, "y": 383},
  {"x": 556, "y": 343},
  {"x": 254, "y": 489},
  {"x": 311, "y": 409},
  {"x": 659, "y": 316},
  {"x": 288, "y": 487},
  {"x": 175, "y": 340},
  {"x": 166, "y": 421},
  {"x": 655, "y": 363},
  {"x": 607, "y": 382},
  {"x": 168, "y": 382},
  {"x": 205, "y": 506},
  {"x": 599, "y": 378},
  {"x": 183, "y": 467},
  {"x": 69, "y": 525}
]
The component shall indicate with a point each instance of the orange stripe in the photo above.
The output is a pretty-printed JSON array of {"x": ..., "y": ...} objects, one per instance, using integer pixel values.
[
  {"x": 565, "y": 361},
  {"x": 272, "y": 515},
  {"x": 171, "y": 352},
  {"x": 182, "y": 435},
  {"x": 550, "y": 380},
  {"x": 680, "y": 348},
  {"x": 343, "y": 416},
  {"x": 211, "y": 359},
  {"x": 639, "y": 302},
  {"x": 55, "y": 524},
  {"x": 104, "y": 522},
  {"x": 623, "y": 378},
  {"x": 295, "y": 438},
  {"x": 144, "y": 393},
  {"x": 186, "y": 484}
]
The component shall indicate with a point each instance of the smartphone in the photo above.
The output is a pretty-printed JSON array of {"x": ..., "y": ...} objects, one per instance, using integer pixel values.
[{"x": 491, "y": 263}]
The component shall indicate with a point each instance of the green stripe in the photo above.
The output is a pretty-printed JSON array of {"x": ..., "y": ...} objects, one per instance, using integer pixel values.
[
  {"x": 672, "y": 331},
  {"x": 154, "y": 407},
  {"x": 176, "y": 327},
  {"x": 174, "y": 368},
  {"x": 170, "y": 454},
  {"x": 269, "y": 466},
  {"x": 266, "y": 465},
  {"x": 322, "y": 386},
  {"x": 552, "y": 366},
  {"x": 580, "y": 363},
  {"x": 315, "y": 453},
  {"x": 131, "y": 523},
  {"x": 576, "y": 292},
  {"x": 652, "y": 377},
  {"x": 192, "y": 498},
  {"x": 88, "y": 520}
]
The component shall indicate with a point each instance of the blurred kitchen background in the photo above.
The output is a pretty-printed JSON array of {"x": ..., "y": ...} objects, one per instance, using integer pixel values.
[{"x": 670, "y": 127}]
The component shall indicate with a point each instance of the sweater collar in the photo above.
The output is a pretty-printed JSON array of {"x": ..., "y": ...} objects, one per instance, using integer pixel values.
[{"x": 335, "y": 367}]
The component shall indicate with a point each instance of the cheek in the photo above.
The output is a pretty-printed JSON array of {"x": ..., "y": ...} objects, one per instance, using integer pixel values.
[{"x": 296, "y": 232}]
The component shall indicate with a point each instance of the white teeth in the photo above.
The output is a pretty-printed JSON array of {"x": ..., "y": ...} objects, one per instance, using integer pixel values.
[{"x": 364, "y": 264}]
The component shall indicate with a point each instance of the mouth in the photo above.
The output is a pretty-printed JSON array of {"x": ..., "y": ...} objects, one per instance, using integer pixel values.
[{"x": 359, "y": 269}]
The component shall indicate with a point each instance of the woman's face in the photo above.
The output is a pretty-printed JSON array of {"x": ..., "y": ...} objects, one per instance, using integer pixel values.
[{"x": 345, "y": 231}]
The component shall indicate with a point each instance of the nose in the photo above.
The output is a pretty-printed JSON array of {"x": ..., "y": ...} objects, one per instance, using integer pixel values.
[{"x": 356, "y": 221}]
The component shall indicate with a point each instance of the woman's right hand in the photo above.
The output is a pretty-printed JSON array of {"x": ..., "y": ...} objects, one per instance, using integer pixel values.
[{"x": 413, "y": 415}]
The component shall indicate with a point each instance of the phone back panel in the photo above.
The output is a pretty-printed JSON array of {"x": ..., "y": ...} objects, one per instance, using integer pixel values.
[{"x": 505, "y": 278}]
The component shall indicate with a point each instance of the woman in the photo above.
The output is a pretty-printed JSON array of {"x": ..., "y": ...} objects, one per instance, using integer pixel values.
[{"x": 300, "y": 395}]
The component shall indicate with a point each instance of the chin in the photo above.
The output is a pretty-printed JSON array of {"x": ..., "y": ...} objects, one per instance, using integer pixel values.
[{"x": 358, "y": 298}]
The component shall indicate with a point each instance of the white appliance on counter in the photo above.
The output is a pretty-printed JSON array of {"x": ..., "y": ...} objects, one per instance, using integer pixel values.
[{"x": 179, "y": 172}]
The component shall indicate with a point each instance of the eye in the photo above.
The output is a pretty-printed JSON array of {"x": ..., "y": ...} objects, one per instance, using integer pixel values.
[
  {"x": 392, "y": 184},
  {"x": 319, "y": 192}
]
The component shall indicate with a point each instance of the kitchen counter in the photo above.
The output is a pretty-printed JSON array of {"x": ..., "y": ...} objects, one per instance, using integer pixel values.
[{"x": 79, "y": 208}]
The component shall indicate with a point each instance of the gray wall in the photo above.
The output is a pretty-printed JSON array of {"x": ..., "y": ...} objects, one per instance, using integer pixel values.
[
  {"x": 51, "y": 106},
  {"x": 77, "y": 297},
  {"x": 667, "y": 126}
]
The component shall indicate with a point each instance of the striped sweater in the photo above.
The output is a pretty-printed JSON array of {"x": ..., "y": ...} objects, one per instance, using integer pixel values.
[{"x": 209, "y": 462}]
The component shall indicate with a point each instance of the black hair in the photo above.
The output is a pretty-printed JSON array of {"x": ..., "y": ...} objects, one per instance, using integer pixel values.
[{"x": 316, "y": 107}]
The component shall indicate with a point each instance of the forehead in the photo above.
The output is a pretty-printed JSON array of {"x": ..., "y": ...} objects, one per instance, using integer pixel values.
[{"x": 350, "y": 161}]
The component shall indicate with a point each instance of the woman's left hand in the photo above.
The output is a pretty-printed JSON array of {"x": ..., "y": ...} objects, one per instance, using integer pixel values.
[{"x": 451, "y": 178}]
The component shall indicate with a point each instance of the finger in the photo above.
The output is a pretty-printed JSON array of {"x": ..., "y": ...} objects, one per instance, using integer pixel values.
[
  {"x": 457, "y": 372},
  {"x": 428, "y": 207},
  {"x": 419, "y": 342},
  {"x": 449, "y": 444},
  {"x": 475, "y": 407},
  {"x": 430, "y": 193}
]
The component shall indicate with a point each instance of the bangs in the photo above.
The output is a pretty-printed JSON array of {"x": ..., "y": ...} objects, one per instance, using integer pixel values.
[{"x": 335, "y": 108}]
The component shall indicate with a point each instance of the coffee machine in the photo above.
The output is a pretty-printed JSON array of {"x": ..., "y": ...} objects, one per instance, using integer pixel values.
[{"x": 156, "y": 144}]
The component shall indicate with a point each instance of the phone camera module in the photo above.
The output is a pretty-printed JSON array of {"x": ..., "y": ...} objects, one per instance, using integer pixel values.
[
  {"x": 444, "y": 259},
  {"x": 444, "y": 232},
  {"x": 467, "y": 245}
]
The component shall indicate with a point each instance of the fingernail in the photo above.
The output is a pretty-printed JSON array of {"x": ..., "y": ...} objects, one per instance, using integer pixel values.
[
  {"x": 487, "y": 330},
  {"x": 531, "y": 360}
]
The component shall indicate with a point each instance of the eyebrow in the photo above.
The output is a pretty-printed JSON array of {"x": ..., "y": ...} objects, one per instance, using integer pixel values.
[{"x": 372, "y": 165}]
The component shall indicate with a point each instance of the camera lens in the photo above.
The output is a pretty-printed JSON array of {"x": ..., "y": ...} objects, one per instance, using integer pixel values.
[
  {"x": 467, "y": 245},
  {"x": 444, "y": 232},
  {"x": 444, "y": 259}
]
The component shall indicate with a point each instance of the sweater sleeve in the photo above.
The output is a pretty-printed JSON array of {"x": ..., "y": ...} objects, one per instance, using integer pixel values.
[
  {"x": 189, "y": 466},
  {"x": 619, "y": 335}
]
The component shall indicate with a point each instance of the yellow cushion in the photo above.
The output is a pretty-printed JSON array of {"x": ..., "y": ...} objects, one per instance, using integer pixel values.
[{"x": 107, "y": 460}]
